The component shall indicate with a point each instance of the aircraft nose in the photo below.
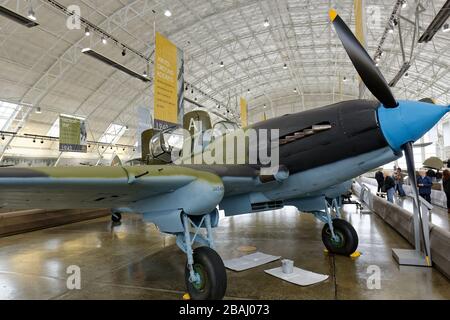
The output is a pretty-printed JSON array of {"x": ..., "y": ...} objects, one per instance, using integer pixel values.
[{"x": 409, "y": 121}]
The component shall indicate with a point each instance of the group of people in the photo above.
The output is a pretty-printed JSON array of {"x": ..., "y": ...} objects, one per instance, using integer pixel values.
[{"x": 392, "y": 183}]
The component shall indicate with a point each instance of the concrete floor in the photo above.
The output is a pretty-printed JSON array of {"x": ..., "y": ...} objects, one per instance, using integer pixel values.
[{"x": 134, "y": 261}]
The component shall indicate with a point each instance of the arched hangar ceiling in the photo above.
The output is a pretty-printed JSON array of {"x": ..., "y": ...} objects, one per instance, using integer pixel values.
[{"x": 43, "y": 66}]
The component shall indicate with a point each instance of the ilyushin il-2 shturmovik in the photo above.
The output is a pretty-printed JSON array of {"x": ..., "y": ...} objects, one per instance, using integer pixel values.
[{"x": 320, "y": 152}]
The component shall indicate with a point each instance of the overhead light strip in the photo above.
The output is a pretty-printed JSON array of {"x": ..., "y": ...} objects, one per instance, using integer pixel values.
[
  {"x": 14, "y": 16},
  {"x": 114, "y": 64}
]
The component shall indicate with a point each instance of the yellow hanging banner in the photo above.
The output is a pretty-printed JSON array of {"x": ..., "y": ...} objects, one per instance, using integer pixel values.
[
  {"x": 244, "y": 113},
  {"x": 360, "y": 33},
  {"x": 359, "y": 22},
  {"x": 168, "y": 84}
]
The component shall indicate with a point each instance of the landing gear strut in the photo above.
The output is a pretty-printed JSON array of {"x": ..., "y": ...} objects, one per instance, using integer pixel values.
[
  {"x": 205, "y": 274},
  {"x": 338, "y": 235}
]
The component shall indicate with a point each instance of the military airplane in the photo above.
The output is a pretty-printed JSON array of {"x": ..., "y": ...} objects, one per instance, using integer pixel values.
[{"x": 320, "y": 151}]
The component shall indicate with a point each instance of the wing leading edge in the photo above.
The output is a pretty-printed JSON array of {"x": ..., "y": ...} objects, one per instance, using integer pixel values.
[{"x": 89, "y": 187}]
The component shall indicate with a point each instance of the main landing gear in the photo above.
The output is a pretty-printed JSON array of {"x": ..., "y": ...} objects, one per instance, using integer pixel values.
[
  {"x": 338, "y": 235},
  {"x": 205, "y": 274}
]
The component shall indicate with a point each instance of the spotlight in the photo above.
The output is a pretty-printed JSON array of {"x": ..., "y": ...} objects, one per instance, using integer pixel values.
[
  {"x": 134, "y": 149},
  {"x": 266, "y": 23},
  {"x": 87, "y": 32},
  {"x": 38, "y": 110},
  {"x": 167, "y": 13},
  {"x": 344, "y": 79},
  {"x": 285, "y": 66},
  {"x": 3, "y": 137},
  {"x": 391, "y": 28},
  {"x": 221, "y": 64},
  {"x": 103, "y": 147},
  {"x": 446, "y": 28},
  {"x": 34, "y": 140},
  {"x": 407, "y": 75},
  {"x": 124, "y": 52},
  {"x": 111, "y": 147},
  {"x": 295, "y": 90},
  {"x": 195, "y": 99},
  {"x": 265, "y": 106},
  {"x": 89, "y": 146},
  {"x": 187, "y": 88},
  {"x": 42, "y": 141},
  {"x": 192, "y": 91},
  {"x": 144, "y": 74},
  {"x": 248, "y": 90},
  {"x": 31, "y": 15},
  {"x": 104, "y": 41}
]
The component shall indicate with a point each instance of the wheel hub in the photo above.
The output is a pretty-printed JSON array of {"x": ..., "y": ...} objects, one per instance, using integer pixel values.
[
  {"x": 338, "y": 240},
  {"x": 200, "y": 277}
]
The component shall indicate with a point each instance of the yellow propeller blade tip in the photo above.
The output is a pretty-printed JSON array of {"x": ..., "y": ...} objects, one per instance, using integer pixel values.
[{"x": 333, "y": 14}]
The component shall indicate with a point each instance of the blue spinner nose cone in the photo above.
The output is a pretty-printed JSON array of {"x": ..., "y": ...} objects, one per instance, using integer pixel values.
[{"x": 409, "y": 121}]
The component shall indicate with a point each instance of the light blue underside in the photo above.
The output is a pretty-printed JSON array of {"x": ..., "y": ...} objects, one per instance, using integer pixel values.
[{"x": 409, "y": 121}]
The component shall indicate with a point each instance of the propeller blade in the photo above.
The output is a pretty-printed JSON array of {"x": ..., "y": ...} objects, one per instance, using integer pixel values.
[
  {"x": 363, "y": 63},
  {"x": 409, "y": 155}
]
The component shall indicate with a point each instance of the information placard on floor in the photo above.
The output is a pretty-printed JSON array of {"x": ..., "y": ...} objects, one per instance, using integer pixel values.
[
  {"x": 299, "y": 276},
  {"x": 249, "y": 261}
]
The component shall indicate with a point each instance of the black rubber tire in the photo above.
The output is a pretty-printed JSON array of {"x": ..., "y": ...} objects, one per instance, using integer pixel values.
[
  {"x": 347, "y": 234},
  {"x": 116, "y": 217},
  {"x": 214, "y": 275}
]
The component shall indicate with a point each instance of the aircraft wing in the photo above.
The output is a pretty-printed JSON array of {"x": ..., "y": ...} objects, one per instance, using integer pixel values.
[{"x": 89, "y": 187}]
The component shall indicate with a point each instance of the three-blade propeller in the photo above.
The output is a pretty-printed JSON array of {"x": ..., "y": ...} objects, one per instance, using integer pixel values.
[{"x": 376, "y": 83}]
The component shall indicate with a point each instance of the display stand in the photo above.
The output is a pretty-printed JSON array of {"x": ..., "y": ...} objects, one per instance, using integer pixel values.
[{"x": 417, "y": 257}]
